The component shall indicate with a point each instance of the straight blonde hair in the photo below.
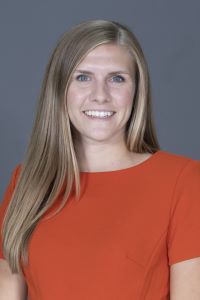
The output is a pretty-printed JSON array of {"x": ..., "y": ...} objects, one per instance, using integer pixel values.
[{"x": 50, "y": 160}]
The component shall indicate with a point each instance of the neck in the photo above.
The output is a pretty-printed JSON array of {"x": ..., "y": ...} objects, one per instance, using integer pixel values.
[{"x": 103, "y": 156}]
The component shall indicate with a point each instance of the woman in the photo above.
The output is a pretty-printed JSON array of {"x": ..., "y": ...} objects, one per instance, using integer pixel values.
[{"x": 97, "y": 210}]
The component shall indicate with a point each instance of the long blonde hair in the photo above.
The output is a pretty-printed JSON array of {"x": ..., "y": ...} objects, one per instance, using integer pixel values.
[{"x": 50, "y": 160}]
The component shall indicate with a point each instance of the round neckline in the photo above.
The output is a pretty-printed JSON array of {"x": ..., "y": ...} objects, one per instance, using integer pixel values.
[{"x": 134, "y": 167}]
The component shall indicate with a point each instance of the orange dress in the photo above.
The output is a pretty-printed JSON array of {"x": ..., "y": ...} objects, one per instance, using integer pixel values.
[{"x": 119, "y": 241}]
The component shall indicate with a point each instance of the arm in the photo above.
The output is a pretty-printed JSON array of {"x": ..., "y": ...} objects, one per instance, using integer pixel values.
[
  {"x": 12, "y": 286},
  {"x": 185, "y": 280}
]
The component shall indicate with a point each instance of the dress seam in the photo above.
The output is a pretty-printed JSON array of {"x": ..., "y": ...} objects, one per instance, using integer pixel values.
[{"x": 146, "y": 269}]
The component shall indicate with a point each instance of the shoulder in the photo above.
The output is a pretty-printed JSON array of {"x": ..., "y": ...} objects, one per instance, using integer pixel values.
[
  {"x": 177, "y": 163},
  {"x": 16, "y": 172},
  {"x": 14, "y": 176},
  {"x": 183, "y": 173},
  {"x": 10, "y": 186}
]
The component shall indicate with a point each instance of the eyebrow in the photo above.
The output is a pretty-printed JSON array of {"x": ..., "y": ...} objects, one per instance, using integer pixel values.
[{"x": 111, "y": 73}]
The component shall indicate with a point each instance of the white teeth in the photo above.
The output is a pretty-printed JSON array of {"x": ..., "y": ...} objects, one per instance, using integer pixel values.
[{"x": 102, "y": 114}]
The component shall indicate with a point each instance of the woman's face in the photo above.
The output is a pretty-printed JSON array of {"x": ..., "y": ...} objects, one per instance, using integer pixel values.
[{"x": 100, "y": 94}]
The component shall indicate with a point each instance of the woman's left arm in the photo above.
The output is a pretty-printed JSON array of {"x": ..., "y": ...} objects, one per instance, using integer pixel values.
[
  {"x": 184, "y": 235},
  {"x": 185, "y": 280}
]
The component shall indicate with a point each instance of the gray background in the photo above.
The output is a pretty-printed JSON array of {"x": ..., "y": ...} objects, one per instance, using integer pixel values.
[{"x": 168, "y": 32}]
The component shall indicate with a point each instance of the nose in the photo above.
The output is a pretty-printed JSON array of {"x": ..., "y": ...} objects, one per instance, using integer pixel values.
[{"x": 100, "y": 92}]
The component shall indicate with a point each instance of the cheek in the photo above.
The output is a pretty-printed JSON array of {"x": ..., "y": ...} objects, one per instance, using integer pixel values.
[
  {"x": 72, "y": 100},
  {"x": 124, "y": 98},
  {"x": 75, "y": 96}
]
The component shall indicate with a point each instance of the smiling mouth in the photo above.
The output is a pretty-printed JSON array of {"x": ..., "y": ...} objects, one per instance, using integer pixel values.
[{"x": 99, "y": 114}]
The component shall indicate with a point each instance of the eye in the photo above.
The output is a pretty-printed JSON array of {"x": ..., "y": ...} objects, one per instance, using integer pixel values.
[
  {"x": 118, "y": 78},
  {"x": 82, "y": 77}
]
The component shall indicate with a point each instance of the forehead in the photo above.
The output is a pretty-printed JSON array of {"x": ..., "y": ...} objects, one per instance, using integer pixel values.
[{"x": 108, "y": 55}]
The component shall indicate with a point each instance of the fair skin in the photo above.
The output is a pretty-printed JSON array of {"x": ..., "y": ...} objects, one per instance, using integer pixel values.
[
  {"x": 185, "y": 280},
  {"x": 104, "y": 80},
  {"x": 12, "y": 286}
]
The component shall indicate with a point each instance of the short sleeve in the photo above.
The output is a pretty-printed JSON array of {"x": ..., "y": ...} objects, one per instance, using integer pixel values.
[
  {"x": 184, "y": 227},
  {"x": 5, "y": 201}
]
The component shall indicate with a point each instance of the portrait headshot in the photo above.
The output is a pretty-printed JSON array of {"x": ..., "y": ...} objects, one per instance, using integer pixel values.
[{"x": 102, "y": 196}]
